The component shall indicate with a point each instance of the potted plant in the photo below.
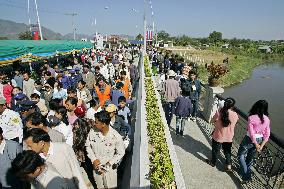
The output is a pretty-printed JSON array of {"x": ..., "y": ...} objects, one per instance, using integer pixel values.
[{"x": 216, "y": 71}]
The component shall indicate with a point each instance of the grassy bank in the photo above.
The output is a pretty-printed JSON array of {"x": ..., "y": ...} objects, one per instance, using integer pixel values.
[{"x": 240, "y": 66}]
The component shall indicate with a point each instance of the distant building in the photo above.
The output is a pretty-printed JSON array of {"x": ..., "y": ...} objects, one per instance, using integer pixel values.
[
  {"x": 265, "y": 49},
  {"x": 205, "y": 45},
  {"x": 225, "y": 46}
]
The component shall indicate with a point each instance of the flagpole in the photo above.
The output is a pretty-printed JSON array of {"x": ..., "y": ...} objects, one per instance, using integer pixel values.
[
  {"x": 39, "y": 26},
  {"x": 29, "y": 16}
]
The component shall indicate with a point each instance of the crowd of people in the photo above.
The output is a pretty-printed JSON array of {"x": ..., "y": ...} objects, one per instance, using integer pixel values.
[
  {"x": 181, "y": 90},
  {"x": 67, "y": 126},
  {"x": 70, "y": 126}
]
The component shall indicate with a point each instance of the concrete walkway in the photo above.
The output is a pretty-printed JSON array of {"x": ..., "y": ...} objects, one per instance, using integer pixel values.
[{"x": 192, "y": 150}]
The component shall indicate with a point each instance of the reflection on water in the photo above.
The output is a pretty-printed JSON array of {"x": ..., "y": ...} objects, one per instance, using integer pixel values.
[{"x": 266, "y": 82}]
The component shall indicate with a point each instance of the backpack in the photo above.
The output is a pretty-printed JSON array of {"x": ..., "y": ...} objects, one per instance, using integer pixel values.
[{"x": 185, "y": 86}]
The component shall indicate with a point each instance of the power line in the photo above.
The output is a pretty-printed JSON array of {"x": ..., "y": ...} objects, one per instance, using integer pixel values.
[
  {"x": 73, "y": 23},
  {"x": 25, "y": 8}
]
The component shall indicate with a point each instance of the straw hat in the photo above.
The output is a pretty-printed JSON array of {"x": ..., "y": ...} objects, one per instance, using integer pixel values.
[{"x": 171, "y": 73}]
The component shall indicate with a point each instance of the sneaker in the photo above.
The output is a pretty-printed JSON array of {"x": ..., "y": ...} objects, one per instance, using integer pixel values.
[
  {"x": 228, "y": 168},
  {"x": 177, "y": 132}
]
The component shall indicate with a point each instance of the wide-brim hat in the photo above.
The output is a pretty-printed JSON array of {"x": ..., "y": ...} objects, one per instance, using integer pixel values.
[{"x": 171, "y": 73}]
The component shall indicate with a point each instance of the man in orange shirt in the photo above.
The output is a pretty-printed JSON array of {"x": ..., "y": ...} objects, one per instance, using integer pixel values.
[
  {"x": 126, "y": 89},
  {"x": 102, "y": 91}
]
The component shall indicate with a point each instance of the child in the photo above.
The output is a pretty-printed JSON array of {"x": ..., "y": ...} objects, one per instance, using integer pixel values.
[
  {"x": 40, "y": 103},
  {"x": 182, "y": 111},
  {"x": 124, "y": 110}
]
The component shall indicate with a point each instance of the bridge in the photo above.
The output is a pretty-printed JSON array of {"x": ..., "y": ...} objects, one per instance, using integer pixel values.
[{"x": 188, "y": 153}]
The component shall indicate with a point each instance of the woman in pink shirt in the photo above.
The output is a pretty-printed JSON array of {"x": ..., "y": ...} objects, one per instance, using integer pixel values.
[
  {"x": 258, "y": 133},
  {"x": 225, "y": 121}
]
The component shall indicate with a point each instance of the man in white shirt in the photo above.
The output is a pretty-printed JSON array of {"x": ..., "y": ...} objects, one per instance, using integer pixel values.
[
  {"x": 28, "y": 85},
  {"x": 10, "y": 122},
  {"x": 94, "y": 108},
  {"x": 105, "y": 148},
  {"x": 59, "y": 154}
]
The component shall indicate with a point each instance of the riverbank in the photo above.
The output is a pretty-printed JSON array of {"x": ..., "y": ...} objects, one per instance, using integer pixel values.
[{"x": 240, "y": 66}]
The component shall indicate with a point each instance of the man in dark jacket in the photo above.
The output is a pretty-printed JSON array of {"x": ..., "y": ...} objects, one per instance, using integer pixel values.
[{"x": 195, "y": 93}]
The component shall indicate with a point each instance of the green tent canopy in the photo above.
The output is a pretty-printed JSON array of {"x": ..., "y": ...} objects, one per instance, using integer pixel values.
[{"x": 11, "y": 50}]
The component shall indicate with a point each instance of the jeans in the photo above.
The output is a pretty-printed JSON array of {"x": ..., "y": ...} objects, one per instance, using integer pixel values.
[
  {"x": 180, "y": 122},
  {"x": 169, "y": 111},
  {"x": 246, "y": 154},
  {"x": 194, "y": 108},
  {"x": 226, "y": 146}
]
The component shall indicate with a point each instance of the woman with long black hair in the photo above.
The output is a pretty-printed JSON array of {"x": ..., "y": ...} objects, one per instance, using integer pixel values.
[
  {"x": 258, "y": 133},
  {"x": 63, "y": 126},
  {"x": 225, "y": 120},
  {"x": 81, "y": 130}
]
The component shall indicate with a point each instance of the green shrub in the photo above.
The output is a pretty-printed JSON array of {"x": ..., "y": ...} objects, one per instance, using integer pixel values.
[{"x": 161, "y": 168}]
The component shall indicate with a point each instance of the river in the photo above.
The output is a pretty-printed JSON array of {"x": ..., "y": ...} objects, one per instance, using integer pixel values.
[{"x": 266, "y": 82}]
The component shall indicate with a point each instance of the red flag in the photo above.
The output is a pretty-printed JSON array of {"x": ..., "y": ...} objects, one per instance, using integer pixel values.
[{"x": 35, "y": 35}]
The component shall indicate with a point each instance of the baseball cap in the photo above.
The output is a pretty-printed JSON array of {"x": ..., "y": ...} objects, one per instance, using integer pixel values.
[
  {"x": 111, "y": 108},
  {"x": 26, "y": 105},
  {"x": 80, "y": 111},
  {"x": 72, "y": 71},
  {"x": 2, "y": 100},
  {"x": 20, "y": 96}
]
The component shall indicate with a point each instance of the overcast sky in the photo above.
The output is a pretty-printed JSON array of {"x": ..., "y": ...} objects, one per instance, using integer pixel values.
[{"x": 254, "y": 19}]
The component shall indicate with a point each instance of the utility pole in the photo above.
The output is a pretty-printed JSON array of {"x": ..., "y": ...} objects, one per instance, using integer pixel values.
[
  {"x": 38, "y": 21},
  {"x": 29, "y": 16},
  {"x": 145, "y": 28},
  {"x": 73, "y": 23}
]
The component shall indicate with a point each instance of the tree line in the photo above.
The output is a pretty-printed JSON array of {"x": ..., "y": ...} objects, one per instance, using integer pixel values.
[{"x": 216, "y": 40}]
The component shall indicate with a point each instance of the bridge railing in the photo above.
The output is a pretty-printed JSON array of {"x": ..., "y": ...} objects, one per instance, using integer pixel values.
[{"x": 269, "y": 164}]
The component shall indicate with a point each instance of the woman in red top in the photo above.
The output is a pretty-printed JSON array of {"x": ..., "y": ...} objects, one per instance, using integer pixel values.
[
  {"x": 7, "y": 92},
  {"x": 225, "y": 121}
]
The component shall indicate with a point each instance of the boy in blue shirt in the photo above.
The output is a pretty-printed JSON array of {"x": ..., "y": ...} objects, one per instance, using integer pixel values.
[{"x": 123, "y": 110}]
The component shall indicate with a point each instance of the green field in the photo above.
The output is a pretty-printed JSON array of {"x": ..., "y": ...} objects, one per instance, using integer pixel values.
[{"x": 240, "y": 66}]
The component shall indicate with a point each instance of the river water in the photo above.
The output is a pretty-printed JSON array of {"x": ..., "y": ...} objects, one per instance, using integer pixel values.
[{"x": 266, "y": 82}]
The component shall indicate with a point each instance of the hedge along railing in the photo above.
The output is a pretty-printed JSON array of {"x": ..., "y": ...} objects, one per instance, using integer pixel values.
[
  {"x": 164, "y": 167},
  {"x": 140, "y": 158}
]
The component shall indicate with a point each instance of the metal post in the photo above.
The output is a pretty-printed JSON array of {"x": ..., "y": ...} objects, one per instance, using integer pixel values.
[
  {"x": 29, "y": 16},
  {"x": 145, "y": 27},
  {"x": 38, "y": 21},
  {"x": 73, "y": 25},
  {"x": 153, "y": 36}
]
